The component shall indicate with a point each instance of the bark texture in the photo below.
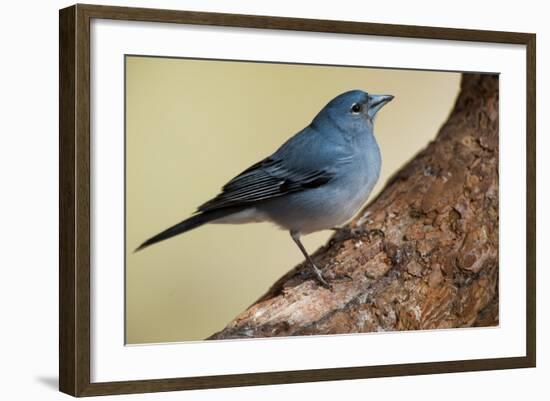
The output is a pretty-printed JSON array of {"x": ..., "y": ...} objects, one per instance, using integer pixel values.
[{"x": 422, "y": 255}]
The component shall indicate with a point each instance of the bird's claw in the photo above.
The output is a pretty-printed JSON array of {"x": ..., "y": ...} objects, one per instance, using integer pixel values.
[
  {"x": 320, "y": 278},
  {"x": 346, "y": 233},
  {"x": 316, "y": 274}
]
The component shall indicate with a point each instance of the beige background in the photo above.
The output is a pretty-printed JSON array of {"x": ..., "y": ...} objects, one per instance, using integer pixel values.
[{"x": 191, "y": 125}]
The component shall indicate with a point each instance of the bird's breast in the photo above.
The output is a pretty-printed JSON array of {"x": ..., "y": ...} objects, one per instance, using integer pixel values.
[{"x": 357, "y": 182}]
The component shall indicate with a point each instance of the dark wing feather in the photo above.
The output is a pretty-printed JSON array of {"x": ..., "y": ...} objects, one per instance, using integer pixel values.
[{"x": 265, "y": 180}]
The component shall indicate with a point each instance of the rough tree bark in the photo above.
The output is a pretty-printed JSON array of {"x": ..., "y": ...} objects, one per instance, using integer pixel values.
[{"x": 422, "y": 255}]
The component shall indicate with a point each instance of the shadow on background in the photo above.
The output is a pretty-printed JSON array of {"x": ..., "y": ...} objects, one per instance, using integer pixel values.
[{"x": 49, "y": 381}]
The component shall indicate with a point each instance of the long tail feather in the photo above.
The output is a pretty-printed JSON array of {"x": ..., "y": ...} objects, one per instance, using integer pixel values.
[{"x": 186, "y": 225}]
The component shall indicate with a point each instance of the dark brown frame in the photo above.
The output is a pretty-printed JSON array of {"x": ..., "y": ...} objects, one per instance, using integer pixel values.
[{"x": 74, "y": 199}]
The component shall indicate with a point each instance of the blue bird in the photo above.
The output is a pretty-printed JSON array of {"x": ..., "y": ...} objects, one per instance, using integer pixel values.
[{"x": 318, "y": 179}]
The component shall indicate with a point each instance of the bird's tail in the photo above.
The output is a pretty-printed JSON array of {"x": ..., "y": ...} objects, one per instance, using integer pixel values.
[{"x": 186, "y": 225}]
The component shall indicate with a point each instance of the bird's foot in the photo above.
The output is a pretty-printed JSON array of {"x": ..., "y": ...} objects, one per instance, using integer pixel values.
[
  {"x": 347, "y": 232},
  {"x": 340, "y": 276},
  {"x": 344, "y": 233},
  {"x": 317, "y": 274},
  {"x": 320, "y": 278}
]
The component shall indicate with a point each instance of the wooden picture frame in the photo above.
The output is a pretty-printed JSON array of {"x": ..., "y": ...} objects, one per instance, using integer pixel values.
[{"x": 74, "y": 203}]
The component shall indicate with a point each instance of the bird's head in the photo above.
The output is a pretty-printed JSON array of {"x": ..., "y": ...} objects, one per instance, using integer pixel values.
[{"x": 352, "y": 111}]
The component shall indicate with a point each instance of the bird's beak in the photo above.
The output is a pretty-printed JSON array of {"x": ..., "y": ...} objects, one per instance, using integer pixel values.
[{"x": 376, "y": 102}]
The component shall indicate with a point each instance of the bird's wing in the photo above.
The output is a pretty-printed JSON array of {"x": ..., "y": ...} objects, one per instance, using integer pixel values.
[{"x": 267, "y": 179}]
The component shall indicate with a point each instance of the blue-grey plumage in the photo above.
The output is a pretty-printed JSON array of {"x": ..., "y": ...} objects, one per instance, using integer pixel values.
[{"x": 316, "y": 180}]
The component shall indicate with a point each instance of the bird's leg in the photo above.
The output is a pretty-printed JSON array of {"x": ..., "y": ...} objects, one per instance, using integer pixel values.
[{"x": 318, "y": 274}]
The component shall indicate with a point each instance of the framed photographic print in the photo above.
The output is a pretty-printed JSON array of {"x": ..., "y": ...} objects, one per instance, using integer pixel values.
[{"x": 251, "y": 200}]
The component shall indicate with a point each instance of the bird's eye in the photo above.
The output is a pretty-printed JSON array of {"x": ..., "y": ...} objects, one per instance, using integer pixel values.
[{"x": 355, "y": 108}]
